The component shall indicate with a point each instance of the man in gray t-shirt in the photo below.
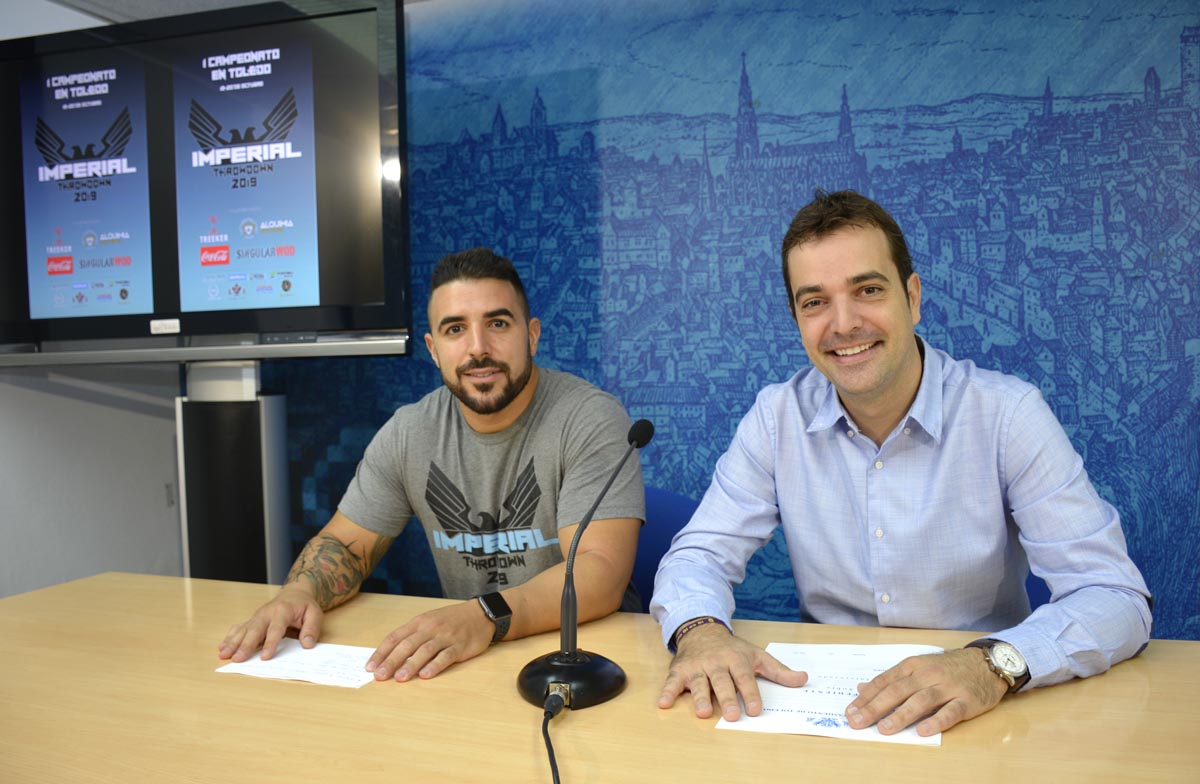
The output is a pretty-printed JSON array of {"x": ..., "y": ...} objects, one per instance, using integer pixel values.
[
  {"x": 492, "y": 504},
  {"x": 499, "y": 467}
]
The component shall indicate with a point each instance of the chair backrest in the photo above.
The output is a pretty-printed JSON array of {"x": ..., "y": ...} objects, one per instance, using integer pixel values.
[
  {"x": 1038, "y": 592},
  {"x": 666, "y": 513}
]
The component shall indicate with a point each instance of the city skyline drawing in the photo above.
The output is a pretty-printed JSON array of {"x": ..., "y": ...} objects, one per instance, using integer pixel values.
[{"x": 1049, "y": 189}]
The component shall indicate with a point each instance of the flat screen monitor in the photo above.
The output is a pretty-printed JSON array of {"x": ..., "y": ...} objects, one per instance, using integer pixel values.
[{"x": 227, "y": 184}]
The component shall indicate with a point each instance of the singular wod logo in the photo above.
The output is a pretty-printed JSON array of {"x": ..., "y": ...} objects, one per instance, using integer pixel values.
[
  {"x": 266, "y": 141},
  {"x": 84, "y": 160}
]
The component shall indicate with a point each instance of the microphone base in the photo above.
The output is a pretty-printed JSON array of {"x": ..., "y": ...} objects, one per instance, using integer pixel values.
[{"x": 589, "y": 678}]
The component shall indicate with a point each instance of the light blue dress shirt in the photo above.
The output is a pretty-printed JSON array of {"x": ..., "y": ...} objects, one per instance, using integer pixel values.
[{"x": 936, "y": 528}]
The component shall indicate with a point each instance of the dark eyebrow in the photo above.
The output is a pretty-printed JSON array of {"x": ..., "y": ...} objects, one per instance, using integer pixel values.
[
  {"x": 806, "y": 290},
  {"x": 491, "y": 314},
  {"x": 863, "y": 278}
]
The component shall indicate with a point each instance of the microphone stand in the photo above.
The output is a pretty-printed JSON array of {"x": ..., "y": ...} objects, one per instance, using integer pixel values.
[{"x": 581, "y": 677}]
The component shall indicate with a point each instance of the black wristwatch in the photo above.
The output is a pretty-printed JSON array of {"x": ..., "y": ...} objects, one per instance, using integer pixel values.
[
  {"x": 495, "y": 608},
  {"x": 1005, "y": 660}
]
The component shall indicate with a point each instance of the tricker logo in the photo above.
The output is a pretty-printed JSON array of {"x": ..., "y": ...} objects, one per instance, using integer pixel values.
[
  {"x": 213, "y": 235},
  {"x": 84, "y": 162},
  {"x": 267, "y": 143},
  {"x": 510, "y": 532}
]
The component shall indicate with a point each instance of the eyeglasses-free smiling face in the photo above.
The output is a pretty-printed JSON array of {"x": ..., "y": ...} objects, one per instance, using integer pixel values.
[
  {"x": 856, "y": 321},
  {"x": 480, "y": 340}
]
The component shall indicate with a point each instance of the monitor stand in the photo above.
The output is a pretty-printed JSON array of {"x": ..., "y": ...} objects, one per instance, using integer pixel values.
[{"x": 233, "y": 475}]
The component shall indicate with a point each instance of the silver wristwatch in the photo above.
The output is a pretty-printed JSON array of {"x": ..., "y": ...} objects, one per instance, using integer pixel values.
[{"x": 1005, "y": 660}]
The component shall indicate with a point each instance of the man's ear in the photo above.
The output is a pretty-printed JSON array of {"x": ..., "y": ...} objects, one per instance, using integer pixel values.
[
  {"x": 535, "y": 334},
  {"x": 914, "y": 297},
  {"x": 432, "y": 353}
]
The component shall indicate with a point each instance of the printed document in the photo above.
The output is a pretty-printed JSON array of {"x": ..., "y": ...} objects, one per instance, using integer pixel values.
[
  {"x": 324, "y": 663},
  {"x": 819, "y": 706}
]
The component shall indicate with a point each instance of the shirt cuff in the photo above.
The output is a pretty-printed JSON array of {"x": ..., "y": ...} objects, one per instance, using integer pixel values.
[{"x": 1041, "y": 655}]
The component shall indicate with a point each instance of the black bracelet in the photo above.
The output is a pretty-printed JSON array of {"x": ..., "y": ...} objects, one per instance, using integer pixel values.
[{"x": 689, "y": 626}]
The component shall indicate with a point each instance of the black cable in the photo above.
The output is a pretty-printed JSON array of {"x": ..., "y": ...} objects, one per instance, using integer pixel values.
[{"x": 554, "y": 705}]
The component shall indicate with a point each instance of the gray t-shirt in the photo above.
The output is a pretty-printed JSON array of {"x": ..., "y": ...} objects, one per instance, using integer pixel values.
[{"x": 491, "y": 504}]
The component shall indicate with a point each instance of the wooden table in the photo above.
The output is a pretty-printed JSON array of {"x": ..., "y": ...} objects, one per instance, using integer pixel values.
[{"x": 112, "y": 678}]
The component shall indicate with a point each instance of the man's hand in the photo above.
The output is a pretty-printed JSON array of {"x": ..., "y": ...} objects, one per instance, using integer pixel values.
[
  {"x": 711, "y": 660},
  {"x": 431, "y": 642},
  {"x": 293, "y": 608},
  {"x": 948, "y": 688}
]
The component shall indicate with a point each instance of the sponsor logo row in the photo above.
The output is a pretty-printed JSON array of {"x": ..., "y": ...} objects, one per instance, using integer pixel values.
[
  {"x": 65, "y": 265},
  {"x": 217, "y": 255}
]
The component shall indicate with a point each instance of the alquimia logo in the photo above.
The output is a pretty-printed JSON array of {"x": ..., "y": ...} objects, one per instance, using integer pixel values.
[
  {"x": 213, "y": 255},
  {"x": 60, "y": 265}
]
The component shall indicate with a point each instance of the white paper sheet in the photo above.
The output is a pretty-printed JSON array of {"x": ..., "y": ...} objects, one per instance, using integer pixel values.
[
  {"x": 819, "y": 707},
  {"x": 324, "y": 663}
]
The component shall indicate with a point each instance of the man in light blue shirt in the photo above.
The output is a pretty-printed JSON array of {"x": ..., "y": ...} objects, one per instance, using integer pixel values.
[{"x": 914, "y": 490}]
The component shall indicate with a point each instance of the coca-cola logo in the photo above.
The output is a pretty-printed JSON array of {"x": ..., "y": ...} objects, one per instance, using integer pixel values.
[
  {"x": 213, "y": 255},
  {"x": 60, "y": 265}
]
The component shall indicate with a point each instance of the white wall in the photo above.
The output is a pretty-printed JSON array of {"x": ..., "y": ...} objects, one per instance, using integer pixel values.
[
  {"x": 87, "y": 455},
  {"x": 87, "y": 474},
  {"x": 36, "y": 17}
]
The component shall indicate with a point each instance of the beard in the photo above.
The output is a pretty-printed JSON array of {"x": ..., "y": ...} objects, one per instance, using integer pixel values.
[{"x": 508, "y": 393}]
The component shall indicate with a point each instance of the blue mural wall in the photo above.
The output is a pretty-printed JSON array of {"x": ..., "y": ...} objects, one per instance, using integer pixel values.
[{"x": 640, "y": 162}]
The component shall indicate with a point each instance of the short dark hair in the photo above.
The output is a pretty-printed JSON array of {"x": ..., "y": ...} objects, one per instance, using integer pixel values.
[
  {"x": 478, "y": 264},
  {"x": 829, "y": 212}
]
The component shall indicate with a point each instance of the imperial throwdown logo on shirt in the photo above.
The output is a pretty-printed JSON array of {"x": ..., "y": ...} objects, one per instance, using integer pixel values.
[{"x": 501, "y": 536}]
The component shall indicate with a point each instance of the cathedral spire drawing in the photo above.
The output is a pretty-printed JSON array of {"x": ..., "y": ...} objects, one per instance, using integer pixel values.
[
  {"x": 845, "y": 128},
  {"x": 499, "y": 127},
  {"x": 747, "y": 122}
]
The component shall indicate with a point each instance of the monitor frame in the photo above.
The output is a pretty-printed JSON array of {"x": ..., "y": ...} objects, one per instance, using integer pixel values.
[{"x": 320, "y": 330}]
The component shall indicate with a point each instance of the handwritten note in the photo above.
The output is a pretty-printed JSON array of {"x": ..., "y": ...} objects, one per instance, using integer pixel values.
[
  {"x": 324, "y": 663},
  {"x": 819, "y": 707}
]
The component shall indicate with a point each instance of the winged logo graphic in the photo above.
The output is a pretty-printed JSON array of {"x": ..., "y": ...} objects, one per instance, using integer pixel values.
[
  {"x": 54, "y": 149},
  {"x": 454, "y": 513},
  {"x": 275, "y": 127}
]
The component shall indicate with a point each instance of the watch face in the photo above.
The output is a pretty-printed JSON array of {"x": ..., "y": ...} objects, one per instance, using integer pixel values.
[
  {"x": 1008, "y": 658},
  {"x": 495, "y": 605}
]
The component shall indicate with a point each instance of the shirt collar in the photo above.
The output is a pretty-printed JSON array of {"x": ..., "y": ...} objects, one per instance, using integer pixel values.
[{"x": 926, "y": 409}]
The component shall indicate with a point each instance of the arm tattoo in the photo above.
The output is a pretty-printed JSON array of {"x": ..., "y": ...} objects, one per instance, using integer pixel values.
[{"x": 334, "y": 569}]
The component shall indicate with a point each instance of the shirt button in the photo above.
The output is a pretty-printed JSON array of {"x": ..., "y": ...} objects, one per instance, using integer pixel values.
[
  {"x": 878, "y": 464},
  {"x": 878, "y": 533},
  {"x": 908, "y": 431},
  {"x": 885, "y": 598},
  {"x": 850, "y": 433}
]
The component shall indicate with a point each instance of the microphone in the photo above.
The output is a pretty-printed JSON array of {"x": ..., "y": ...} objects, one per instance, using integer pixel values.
[{"x": 583, "y": 678}]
